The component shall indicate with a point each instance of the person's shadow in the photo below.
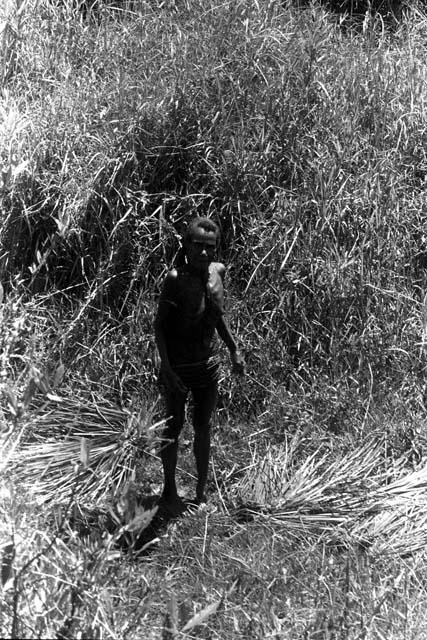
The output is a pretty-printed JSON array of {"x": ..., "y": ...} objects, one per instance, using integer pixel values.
[
  {"x": 87, "y": 522},
  {"x": 145, "y": 541}
]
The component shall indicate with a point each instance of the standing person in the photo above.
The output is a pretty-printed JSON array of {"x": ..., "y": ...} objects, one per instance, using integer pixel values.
[{"x": 190, "y": 314}]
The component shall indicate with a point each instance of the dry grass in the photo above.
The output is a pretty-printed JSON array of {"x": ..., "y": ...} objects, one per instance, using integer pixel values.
[
  {"x": 107, "y": 440},
  {"x": 361, "y": 498},
  {"x": 285, "y": 547},
  {"x": 306, "y": 142}
]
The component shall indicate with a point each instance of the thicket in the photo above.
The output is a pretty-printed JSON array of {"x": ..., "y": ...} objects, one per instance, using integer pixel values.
[
  {"x": 304, "y": 142},
  {"x": 304, "y": 137},
  {"x": 390, "y": 10}
]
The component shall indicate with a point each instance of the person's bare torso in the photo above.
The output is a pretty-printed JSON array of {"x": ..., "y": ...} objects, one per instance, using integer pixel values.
[{"x": 194, "y": 307}]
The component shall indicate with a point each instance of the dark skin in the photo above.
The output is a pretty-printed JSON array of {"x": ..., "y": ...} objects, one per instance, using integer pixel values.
[{"x": 185, "y": 333}]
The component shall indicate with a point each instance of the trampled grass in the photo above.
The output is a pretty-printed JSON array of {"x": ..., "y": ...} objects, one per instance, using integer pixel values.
[{"x": 304, "y": 136}]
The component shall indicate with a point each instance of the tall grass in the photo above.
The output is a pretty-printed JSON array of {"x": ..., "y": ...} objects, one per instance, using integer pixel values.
[
  {"x": 304, "y": 138},
  {"x": 304, "y": 141}
]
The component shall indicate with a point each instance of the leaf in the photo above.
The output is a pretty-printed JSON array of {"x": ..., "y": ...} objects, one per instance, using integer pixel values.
[
  {"x": 12, "y": 403},
  {"x": 142, "y": 519},
  {"x": 58, "y": 375},
  {"x": 41, "y": 380},
  {"x": 7, "y": 563},
  {"x": 202, "y": 616},
  {"x": 29, "y": 393},
  {"x": 53, "y": 397},
  {"x": 173, "y": 613},
  {"x": 85, "y": 452},
  {"x": 126, "y": 505},
  {"x": 19, "y": 168},
  {"x": 170, "y": 627}
]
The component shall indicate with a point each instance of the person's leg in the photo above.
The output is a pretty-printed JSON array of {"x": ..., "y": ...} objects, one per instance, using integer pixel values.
[
  {"x": 204, "y": 405},
  {"x": 175, "y": 410}
]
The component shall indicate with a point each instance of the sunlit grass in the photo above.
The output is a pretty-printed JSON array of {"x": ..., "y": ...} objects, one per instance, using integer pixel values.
[{"x": 306, "y": 141}]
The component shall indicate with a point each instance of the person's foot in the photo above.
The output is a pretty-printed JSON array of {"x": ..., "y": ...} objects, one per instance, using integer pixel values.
[
  {"x": 200, "y": 493},
  {"x": 169, "y": 494},
  {"x": 200, "y": 498},
  {"x": 172, "y": 504}
]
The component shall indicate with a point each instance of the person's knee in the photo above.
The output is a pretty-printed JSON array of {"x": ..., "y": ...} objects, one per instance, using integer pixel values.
[
  {"x": 202, "y": 419},
  {"x": 202, "y": 438},
  {"x": 204, "y": 406}
]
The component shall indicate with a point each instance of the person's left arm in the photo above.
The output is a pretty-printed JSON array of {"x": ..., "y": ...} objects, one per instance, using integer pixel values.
[{"x": 226, "y": 336}]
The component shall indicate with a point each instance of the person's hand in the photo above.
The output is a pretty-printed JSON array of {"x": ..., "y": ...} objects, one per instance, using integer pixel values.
[
  {"x": 172, "y": 381},
  {"x": 238, "y": 363}
]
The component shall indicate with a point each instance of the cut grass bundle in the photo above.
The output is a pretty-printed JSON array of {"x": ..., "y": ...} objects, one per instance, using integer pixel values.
[
  {"x": 87, "y": 448},
  {"x": 356, "y": 498},
  {"x": 399, "y": 525}
]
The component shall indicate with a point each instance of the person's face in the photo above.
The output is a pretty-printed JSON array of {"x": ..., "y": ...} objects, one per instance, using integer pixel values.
[{"x": 201, "y": 249}]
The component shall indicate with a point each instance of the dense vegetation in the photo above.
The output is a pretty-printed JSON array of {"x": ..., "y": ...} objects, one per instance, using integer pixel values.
[{"x": 304, "y": 137}]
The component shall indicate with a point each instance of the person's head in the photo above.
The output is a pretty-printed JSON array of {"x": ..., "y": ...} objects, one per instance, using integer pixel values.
[{"x": 200, "y": 242}]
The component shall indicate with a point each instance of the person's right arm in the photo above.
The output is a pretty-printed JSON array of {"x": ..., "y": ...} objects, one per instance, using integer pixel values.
[{"x": 166, "y": 302}]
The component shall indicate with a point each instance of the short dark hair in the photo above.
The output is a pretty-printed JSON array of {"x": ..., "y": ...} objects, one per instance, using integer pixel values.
[{"x": 201, "y": 223}]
